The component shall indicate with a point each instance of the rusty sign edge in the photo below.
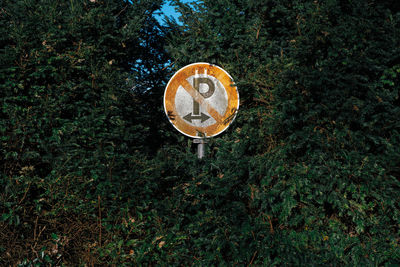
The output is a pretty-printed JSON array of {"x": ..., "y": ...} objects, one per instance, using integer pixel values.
[{"x": 231, "y": 117}]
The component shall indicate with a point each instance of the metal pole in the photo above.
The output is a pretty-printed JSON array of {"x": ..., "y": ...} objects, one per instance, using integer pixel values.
[
  {"x": 200, "y": 150},
  {"x": 200, "y": 147}
]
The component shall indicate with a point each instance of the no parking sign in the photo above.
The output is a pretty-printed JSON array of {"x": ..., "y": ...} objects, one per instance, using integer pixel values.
[{"x": 201, "y": 100}]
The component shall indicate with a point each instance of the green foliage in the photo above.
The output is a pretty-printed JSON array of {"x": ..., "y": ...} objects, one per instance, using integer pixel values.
[
  {"x": 311, "y": 173},
  {"x": 74, "y": 118},
  {"x": 308, "y": 174}
]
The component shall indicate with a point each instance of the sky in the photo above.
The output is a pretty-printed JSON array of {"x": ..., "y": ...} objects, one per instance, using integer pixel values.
[{"x": 168, "y": 10}]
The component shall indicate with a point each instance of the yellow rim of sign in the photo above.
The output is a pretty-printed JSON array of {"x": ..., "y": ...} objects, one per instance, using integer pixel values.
[{"x": 179, "y": 79}]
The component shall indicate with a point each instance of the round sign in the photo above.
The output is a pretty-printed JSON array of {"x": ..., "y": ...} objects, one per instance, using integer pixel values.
[{"x": 201, "y": 100}]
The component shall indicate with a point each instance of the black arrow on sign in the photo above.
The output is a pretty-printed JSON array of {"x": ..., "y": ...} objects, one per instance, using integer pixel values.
[{"x": 203, "y": 117}]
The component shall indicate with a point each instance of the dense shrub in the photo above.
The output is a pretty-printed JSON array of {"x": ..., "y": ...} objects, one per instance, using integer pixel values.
[
  {"x": 308, "y": 174},
  {"x": 75, "y": 100}
]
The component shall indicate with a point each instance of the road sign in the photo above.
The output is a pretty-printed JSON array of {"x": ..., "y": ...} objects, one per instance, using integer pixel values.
[{"x": 201, "y": 100}]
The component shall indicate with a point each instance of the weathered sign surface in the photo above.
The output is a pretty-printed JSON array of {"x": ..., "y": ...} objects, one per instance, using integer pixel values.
[{"x": 201, "y": 100}]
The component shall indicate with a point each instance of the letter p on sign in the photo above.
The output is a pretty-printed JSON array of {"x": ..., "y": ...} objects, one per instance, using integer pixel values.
[{"x": 201, "y": 100}]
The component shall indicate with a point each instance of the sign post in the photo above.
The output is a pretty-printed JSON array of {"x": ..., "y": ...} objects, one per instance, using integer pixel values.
[
  {"x": 200, "y": 146},
  {"x": 201, "y": 101}
]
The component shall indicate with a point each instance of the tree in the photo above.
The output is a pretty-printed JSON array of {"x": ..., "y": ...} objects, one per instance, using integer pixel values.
[
  {"x": 74, "y": 78},
  {"x": 302, "y": 175},
  {"x": 308, "y": 173}
]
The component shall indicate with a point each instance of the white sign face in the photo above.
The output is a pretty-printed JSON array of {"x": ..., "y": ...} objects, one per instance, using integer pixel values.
[{"x": 201, "y": 100}]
